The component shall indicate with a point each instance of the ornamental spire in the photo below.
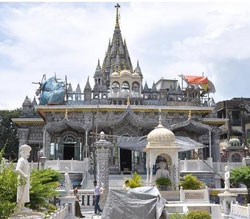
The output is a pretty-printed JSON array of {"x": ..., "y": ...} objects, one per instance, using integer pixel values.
[{"x": 117, "y": 15}]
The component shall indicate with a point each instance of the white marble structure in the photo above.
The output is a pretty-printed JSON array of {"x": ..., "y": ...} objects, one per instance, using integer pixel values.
[
  {"x": 23, "y": 171},
  {"x": 161, "y": 141},
  {"x": 67, "y": 182}
]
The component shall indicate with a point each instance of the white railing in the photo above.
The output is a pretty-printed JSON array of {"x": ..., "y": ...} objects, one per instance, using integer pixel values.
[
  {"x": 72, "y": 165},
  {"x": 194, "y": 196},
  {"x": 239, "y": 212},
  {"x": 195, "y": 165},
  {"x": 206, "y": 165},
  {"x": 86, "y": 197},
  {"x": 61, "y": 213}
]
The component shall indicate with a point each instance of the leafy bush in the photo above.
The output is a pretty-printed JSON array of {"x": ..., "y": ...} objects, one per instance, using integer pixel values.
[
  {"x": 242, "y": 175},
  {"x": 198, "y": 215},
  {"x": 43, "y": 187},
  {"x": 162, "y": 181},
  {"x": 135, "y": 181},
  {"x": 191, "y": 182},
  {"x": 178, "y": 216},
  {"x": 8, "y": 187}
]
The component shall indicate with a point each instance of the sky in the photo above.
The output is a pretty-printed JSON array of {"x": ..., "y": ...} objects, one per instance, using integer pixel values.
[{"x": 167, "y": 38}]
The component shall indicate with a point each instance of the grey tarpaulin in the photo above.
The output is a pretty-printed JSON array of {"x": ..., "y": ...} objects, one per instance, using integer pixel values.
[
  {"x": 138, "y": 203},
  {"x": 139, "y": 143}
]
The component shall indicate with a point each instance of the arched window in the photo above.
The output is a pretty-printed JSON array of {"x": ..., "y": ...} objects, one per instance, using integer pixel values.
[
  {"x": 115, "y": 86},
  {"x": 236, "y": 158},
  {"x": 135, "y": 87},
  {"x": 125, "y": 86}
]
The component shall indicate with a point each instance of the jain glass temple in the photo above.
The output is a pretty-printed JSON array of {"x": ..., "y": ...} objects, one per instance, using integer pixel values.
[{"x": 62, "y": 123}]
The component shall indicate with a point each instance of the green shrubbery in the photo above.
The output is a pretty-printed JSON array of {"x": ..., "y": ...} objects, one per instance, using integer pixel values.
[
  {"x": 242, "y": 175},
  {"x": 198, "y": 215},
  {"x": 162, "y": 181},
  {"x": 191, "y": 182},
  {"x": 191, "y": 215},
  {"x": 135, "y": 181},
  {"x": 43, "y": 186},
  {"x": 8, "y": 187}
]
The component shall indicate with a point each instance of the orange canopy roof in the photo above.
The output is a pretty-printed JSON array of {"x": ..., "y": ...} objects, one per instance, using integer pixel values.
[{"x": 195, "y": 79}]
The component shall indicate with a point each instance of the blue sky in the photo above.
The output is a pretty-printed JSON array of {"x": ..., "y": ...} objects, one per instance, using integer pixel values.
[{"x": 168, "y": 39}]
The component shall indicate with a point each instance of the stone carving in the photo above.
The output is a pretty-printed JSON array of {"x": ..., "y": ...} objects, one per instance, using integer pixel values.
[
  {"x": 23, "y": 171},
  {"x": 162, "y": 172},
  {"x": 227, "y": 178},
  {"x": 67, "y": 182}
]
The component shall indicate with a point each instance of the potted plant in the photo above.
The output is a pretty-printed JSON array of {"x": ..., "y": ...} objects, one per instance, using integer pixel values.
[{"x": 163, "y": 183}]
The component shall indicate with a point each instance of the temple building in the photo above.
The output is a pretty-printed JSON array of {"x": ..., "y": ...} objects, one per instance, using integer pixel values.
[{"x": 62, "y": 123}]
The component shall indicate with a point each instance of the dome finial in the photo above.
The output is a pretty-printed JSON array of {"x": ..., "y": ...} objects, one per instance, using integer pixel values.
[
  {"x": 189, "y": 115},
  {"x": 160, "y": 116}
]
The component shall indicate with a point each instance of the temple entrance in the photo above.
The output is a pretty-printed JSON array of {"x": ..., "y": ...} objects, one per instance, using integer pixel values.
[
  {"x": 69, "y": 151},
  {"x": 125, "y": 160}
]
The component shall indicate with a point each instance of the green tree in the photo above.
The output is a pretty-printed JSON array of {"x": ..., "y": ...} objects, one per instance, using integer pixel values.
[
  {"x": 191, "y": 182},
  {"x": 8, "y": 187},
  {"x": 242, "y": 175},
  {"x": 43, "y": 187},
  {"x": 8, "y": 133}
]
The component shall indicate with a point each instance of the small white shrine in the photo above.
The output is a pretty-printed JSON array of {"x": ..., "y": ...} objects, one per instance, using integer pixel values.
[{"x": 161, "y": 142}]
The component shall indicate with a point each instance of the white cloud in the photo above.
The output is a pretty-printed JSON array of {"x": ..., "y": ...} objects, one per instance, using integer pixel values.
[{"x": 167, "y": 38}]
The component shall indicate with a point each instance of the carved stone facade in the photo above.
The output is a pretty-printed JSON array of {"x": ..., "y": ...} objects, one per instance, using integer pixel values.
[{"x": 67, "y": 131}]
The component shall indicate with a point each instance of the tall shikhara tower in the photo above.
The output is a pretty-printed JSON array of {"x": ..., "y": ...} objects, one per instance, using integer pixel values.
[{"x": 116, "y": 58}]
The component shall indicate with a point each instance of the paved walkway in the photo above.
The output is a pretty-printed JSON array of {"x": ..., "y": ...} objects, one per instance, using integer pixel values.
[{"x": 89, "y": 214}]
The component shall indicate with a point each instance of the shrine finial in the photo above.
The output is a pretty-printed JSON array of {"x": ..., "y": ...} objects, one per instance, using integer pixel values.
[
  {"x": 117, "y": 15},
  {"x": 160, "y": 116}
]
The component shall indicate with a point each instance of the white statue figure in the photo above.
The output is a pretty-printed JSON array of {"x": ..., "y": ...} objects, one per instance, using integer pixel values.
[
  {"x": 67, "y": 181},
  {"x": 162, "y": 172},
  {"x": 227, "y": 178},
  {"x": 23, "y": 171}
]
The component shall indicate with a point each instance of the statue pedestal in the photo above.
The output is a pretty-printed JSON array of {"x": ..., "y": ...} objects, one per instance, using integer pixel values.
[
  {"x": 27, "y": 215},
  {"x": 225, "y": 201},
  {"x": 70, "y": 200}
]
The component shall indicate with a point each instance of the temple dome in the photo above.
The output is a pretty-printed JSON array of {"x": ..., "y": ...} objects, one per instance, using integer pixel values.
[
  {"x": 161, "y": 136},
  {"x": 115, "y": 74},
  {"x": 234, "y": 142},
  {"x": 136, "y": 75},
  {"x": 125, "y": 73}
]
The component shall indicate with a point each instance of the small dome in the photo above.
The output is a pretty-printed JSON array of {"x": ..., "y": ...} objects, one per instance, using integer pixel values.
[
  {"x": 115, "y": 74},
  {"x": 234, "y": 142},
  {"x": 161, "y": 136},
  {"x": 125, "y": 73},
  {"x": 136, "y": 75}
]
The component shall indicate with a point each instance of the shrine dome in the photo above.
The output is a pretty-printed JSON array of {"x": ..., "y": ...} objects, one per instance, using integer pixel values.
[
  {"x": 161, "y": 136},
  {"x": 115, "y": 74},
  {"x": 125, "y": 73}
]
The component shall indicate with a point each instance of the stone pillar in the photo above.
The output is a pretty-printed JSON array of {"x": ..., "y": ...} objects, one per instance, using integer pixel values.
[
  {"x": 210, "y": 143},
  {"x": 46, "y": 143},
  {"x": 102, "y": 161},
  {"x": 23, "y": 136},
  {"x": 86, "y": 143},
  {"x": 216, "y": 144}
]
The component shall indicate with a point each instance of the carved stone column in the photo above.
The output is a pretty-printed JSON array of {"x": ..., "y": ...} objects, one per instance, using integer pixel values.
[
  {"x": 102, "y": 160},
  {"x": 216, "y": 144},
  {"x": 46, "y": 143},
  {"x": 23, "y": 136}
]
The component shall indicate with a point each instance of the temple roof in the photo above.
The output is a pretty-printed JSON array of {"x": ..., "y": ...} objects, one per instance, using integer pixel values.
[
  {"x": 191, "y": 126},
  {"x": 64, "y": 124}
]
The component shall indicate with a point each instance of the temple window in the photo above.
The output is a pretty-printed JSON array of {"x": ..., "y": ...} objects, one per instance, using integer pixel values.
[
  {"x": 115, "y": 86},
  {"x": 135, "y": 87},
  {"x": 125, "y": 86}
]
